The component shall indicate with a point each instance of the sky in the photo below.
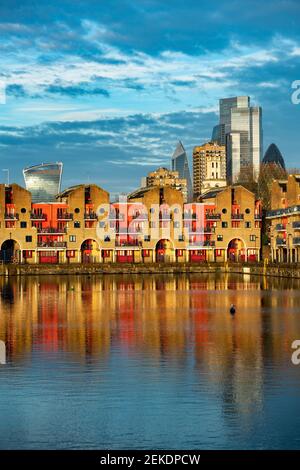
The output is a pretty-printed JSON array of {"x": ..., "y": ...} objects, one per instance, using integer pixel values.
[{"x": 108, "y": 87}]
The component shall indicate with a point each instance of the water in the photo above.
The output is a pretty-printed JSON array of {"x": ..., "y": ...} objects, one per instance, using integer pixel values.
[{"x": 152, "y": 362}]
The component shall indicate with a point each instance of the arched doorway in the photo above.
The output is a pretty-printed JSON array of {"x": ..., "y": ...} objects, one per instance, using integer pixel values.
[
  {"x": 10, "y": 251},
  {"x": 236, "y": 250},
  {"x": 89, "y": 251},
  {"x": 164, "y": 251}
]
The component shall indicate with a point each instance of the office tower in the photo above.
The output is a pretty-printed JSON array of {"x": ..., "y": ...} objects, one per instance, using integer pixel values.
[
  {"x": 209, "y": 167},
  {"x": 240, "y": 129},
  {"x": 43, "y": 181},
  {"x": 163, "y": 177},
  {"x": 274, "y": 156},
  {"x": 180, "y": 163}
]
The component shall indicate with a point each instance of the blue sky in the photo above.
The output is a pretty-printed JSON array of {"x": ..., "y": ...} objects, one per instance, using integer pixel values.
[{"x": 109, "y": 86}]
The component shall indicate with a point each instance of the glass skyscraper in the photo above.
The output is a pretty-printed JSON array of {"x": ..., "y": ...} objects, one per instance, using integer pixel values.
[
  {"x": 240, "y": 129},
  {"x": 43, "y": 181},
  {"x": 180, "y": 163}
]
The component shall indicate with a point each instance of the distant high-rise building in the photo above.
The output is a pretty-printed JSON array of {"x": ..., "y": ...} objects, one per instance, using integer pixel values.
[
  {"x": 43, "y": 181},
  {"x": 180, "y": 163},
  {"x": 240, "y": 129},
  {"x": 273, "y": 155},
  {"x": 209, "y": 167},
  {"x": 164, "y": 177}
]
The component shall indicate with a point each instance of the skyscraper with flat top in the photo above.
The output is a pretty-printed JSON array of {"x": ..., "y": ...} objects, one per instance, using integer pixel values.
[
  {"x": 180, "y": 163},
  {"x": 240, "y": 129}
]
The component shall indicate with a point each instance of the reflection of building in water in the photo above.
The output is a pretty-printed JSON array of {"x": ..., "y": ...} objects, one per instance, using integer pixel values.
[{"x": 154, "y": 316}]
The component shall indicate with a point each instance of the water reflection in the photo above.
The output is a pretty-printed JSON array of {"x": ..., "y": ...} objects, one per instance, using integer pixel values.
[{"x": 178, "y": 324}]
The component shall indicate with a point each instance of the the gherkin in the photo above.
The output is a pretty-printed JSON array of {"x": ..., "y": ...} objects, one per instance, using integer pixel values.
[{"x": 273, "y": 155}]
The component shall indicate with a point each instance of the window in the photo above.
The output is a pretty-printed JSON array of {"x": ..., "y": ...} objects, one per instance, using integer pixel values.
[
  {"x": 70, "y": 253},
  {"x": 72, "y": 238},
  {"x": 252, "y": 238},
  {"x": 23, "y": 224},
  {"x": 147, "y": 238},
  {"x": 27, "y": 254},
  {"x": 224, "y": 224},
  {"x": 224, "y": 211},
  {"x": 23, "y": 210},
  {"x": 28, "y": 239},
  {"x": 176, "y": 224},
  {"x": 107, "y": 239},
  {"x": 101, "y": 224},
  {"x": 76, "y": 224},
  {"x": 220, "y": 238},
  {"x": 77, "y": 210},
  {"x": 248, "y": 224},
  {"x": 181, "y": 238},
  {"x": 247, "y": 211}
]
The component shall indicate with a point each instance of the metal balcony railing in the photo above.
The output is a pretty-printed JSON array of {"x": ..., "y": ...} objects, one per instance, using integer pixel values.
[
  {"x": 51, "y": 230},
  {"x": 9, "y": 216},
  {"x": 296, "y": 241},
  {"x": 280, "y": 227},
  {"x": 52, "y": 244},
  {"x": 280, "y": 242},
  {"x": 296, "y": 225},
  {"x": 65, "y": 216},
  {"x": 90, "y": 216},
  {"x": 237, "y": 216},
  {"x": 210, "y": 216},
  {"x": 37, "y": 216}
]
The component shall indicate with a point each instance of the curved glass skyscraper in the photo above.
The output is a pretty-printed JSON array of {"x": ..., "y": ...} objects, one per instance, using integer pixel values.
[{"x": 43, "y": 181}]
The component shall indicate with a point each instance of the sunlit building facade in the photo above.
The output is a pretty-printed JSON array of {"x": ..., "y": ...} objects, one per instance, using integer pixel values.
[
  {"x": 164, "y": 177},
  {"x": 150, "y": 225},
  {"x": 240, "y": 129},
  {"x": 284, "y": 218},
  {"x": 43, "y": 181},
  {"x": 209, "y": 167}
]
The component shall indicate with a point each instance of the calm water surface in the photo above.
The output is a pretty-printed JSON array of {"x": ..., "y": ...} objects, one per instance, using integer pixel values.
[{"x": 149, "y": 362}]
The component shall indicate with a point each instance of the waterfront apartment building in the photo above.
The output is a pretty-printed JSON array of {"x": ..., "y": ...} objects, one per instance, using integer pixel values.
[
  {"x": 240, "y": 129},
  {"x": 209, "y": 167},
  {"x": 164, "y": 177},
  {"x": 43, "y": 181},
  {"x": 152, "y": 224},
  {"x": 284, "y": 218}
]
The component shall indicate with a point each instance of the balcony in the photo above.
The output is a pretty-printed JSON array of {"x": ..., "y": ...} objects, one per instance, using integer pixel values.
[
  {"x": 51, "y": 231},
  {"x": 280, "y": 212},
  {"x": 140, "y": 216},
  {"x": 296, "y": 225},
  {"x": 64, "y": 216},
  {"x": 280, "y": 242},
  {"x": 189, "y": 216},
  {"x": 125, "y": 243},
  {"x": 237, "y": 216},
  {"x": 8, "y": 216},
  {"x": 209, "y": 243},
  {"x": 210, "y": 216},
  {"x": 165, "y": 216},
  {"x": 280, "y": 227},
  {"x": 38, "y": 216},
  {"x": 257, "y": 216},
  {"x": 90, "y": 216},
  {"x": 52, "y": 244},
  {"x": 116, "y": 216},
  {"x": 296, "y": 241}
]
